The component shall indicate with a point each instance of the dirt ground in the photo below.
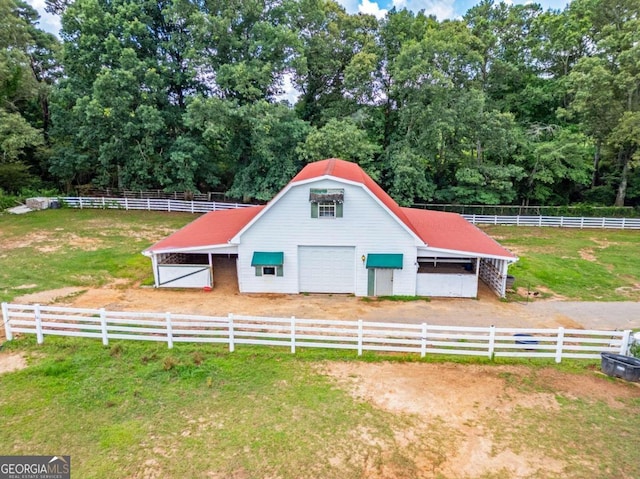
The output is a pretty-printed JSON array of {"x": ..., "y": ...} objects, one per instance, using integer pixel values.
[
  {"x": 451, "y": 408},
  {"x": 460, "y": 397},
  {"x": 225, "y": 298}
]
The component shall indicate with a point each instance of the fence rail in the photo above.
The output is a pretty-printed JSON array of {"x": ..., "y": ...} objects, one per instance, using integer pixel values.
[
  {"x": 165, "y": 204},
  {"x": 150, "y": 204},
  {"x": 556, "y": 221},
  {"x": 296, "y": 333}
]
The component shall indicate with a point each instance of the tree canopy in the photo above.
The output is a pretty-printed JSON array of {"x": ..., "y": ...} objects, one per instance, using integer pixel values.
[{"x": 510, "y": 104}]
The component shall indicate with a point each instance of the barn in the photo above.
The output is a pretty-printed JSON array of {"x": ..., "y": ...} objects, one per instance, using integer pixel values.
[{"x": 332, "y": 229}]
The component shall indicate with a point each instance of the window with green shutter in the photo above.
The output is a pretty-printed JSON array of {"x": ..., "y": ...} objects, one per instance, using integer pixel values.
[{"x": 327, "y": 202}]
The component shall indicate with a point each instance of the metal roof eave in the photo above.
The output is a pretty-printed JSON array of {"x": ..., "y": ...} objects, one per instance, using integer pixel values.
[
  {"x": 510, "y": 259},
  {"x": 196, "y": 249}
]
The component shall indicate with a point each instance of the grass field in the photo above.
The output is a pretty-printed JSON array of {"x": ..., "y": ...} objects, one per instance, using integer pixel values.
[
  {"x": 58, "y": 248},
  {"x": 140, "y": 411},
  {"x": 586, "y": 265}
]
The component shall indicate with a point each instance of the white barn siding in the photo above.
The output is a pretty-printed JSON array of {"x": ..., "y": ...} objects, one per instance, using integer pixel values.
[
  {"x": 447, "y": 285},
  {"x": 287, "y": 224}
]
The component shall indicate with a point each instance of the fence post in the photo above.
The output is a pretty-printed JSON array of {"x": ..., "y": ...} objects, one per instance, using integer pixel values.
[
  {"x": 192, "y": 206},
  {"x": 103, "y": 327},
  {"x": 148, "y": 204},
  {"x": 169, "y": 205},
  {"x": 423, "y": 343},
  {"x": 231, "y": 343},
  {"x": 39, "y": 334},
  {"x": 80, "y": 198},
  {"x": 169, "y": 330},
  {"x": 360, "y": 335},
  {"x": 560, "y": 344},
  {"x": 492, "y": 341},
  {"x": 623, "y": 223},
  {"x": 293, "y": 334},
  {"x": 561, "y": 221},
  {"x": 126, "y": 203},
  {"x": 5, "y": 319},
  {"x": 624, "y": 347}
]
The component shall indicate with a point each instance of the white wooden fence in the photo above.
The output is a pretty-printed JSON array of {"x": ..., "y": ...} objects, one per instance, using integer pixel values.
[
  {"x": 149, "y": 204},
  {"x": 557, "y": 221},
  {"x": 160, "y": 204},
  {"x": 295, "y": 333}
]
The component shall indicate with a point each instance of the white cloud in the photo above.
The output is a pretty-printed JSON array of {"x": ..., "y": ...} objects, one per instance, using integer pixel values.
[
  {"x": 372, "y": 8},
  {"x": 351, "y": 6},
  {"x": 442, "y": 9},
  {"x": 48, "y": 22}
]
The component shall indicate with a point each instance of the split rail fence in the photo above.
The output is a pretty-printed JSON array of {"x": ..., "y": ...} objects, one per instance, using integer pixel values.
[
  {"x": 166, "y": 204},
  {"x": 294, "y": 333}
]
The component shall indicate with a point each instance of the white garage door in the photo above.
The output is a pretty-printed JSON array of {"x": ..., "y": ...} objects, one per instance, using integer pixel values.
[{"x": 327, "y": 269}]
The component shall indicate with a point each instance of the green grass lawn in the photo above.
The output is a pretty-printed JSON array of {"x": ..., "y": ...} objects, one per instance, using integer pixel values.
[
  {"x": 585, "y": 265},
  {"x": 58, "y": 248},
  {"x": 140, "y": 410}
]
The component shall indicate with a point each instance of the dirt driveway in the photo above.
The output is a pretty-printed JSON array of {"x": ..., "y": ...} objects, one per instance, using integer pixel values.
[{"x": 225, "y": 298}]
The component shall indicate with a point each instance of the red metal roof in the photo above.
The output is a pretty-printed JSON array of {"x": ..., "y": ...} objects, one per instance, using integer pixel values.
[
  {"x": 214, "y": 228},
  {"x": 352, "y": 172},
  {"x": 448, "y": 231},
  {"x": 452, "y": 232}
]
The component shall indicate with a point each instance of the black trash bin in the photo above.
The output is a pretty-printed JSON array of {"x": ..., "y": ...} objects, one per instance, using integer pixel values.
[{"x": 619, "y": 366}]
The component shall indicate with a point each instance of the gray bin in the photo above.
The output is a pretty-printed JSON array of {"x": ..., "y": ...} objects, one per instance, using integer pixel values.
[{"x": 619, "y": 366}]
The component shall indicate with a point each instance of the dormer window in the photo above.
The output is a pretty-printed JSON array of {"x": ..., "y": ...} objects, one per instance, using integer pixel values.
[{"x": 326, "y": 203}]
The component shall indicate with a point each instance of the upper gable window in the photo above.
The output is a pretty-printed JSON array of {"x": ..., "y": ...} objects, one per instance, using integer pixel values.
[{"x": 326, "y": 203}]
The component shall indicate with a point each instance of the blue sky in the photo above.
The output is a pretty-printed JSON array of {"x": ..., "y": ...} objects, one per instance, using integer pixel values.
[{"x": 440, "y": 8}]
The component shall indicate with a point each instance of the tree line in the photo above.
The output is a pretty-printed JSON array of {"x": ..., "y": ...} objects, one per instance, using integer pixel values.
[{"x": 509, "y": 105}]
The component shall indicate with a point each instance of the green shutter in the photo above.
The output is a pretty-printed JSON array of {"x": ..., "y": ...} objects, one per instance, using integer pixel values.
[
  {"x": 314, "y": 210},
  {"x": 258, "y": 270},
  {"x": 338, "y": 210},
  {"x": 279, "y": 271}
]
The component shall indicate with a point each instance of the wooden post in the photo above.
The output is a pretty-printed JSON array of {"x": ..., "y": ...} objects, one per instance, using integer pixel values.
[
  {"x": 80, "y": 198},
  {"x": 169, "y": 330},
  {"x": 423, "y": 342},
  {"x": 624, "y": 347},
  {"x": 231, "y": 342},
  {"x": 492, "y": 341},
  {"x": 293, "y": 334},
  {"x": 5, "y": 320},
  {"x": 560, "y": 344},
  {"x": 360, "y": 337},
  {"x": 103, "y": 327},
  {"x": 39, "y": 334}
]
